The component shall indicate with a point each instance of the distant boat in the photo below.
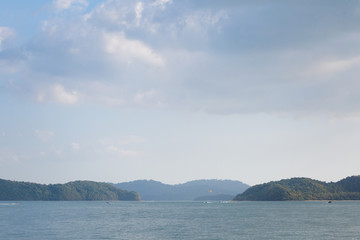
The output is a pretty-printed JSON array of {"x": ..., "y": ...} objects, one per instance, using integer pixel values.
[{"x": 329, "y": 201}]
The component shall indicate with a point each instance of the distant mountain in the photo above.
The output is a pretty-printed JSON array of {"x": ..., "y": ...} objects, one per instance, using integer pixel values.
[
  {"x": 157, "y": 191},
  {"x": 303, "y": 189},
  {"x": 72, "y": 191}
]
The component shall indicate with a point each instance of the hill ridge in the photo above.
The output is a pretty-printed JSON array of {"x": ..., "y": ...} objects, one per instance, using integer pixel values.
[
  {"x": 158, "y": 191},
  {"x": 302, "y": 188},
  {"x": 71, "y": 191}
]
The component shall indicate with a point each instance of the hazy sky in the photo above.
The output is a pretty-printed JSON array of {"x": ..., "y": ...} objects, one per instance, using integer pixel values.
[{"x": 177, "y": 90}]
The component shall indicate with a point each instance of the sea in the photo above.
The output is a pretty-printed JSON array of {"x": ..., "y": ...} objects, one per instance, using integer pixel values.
[{"x": 179, "y": 220}]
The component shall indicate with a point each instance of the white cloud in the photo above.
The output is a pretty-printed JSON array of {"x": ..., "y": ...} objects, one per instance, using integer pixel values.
[
  {"x": 145, "y": 96},
  {"x": 75, "y": 146},
  {"x": 139, "y": 8},
  {"x": 44, "y": 136},
  {"x": 127, "y": 50},
  {"x": 332, "y": 67},
  {"x": 65, "y": 4},
  {"x": 127, "y": 153},
  {"x": 5, "y": 34},
  {"x": 198, "y": 23},
  {"x": 40, "y": 97},
  {"x": 49, "y": 27},
  {"x": 113, "y": 14},
  {"x": 58, "y": 94},
  {"x": 161, "y": 3},
  {"x": 63, "y": 96},
  {"x": 113, "y": 148},
  {"x": 8, "y": 155},
  {"x": 58, "y": 152},
  {"x": 221, "y": 69}
]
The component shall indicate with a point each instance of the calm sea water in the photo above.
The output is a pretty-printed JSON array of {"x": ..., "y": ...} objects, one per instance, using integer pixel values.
[{"x": 180, "y": 220}]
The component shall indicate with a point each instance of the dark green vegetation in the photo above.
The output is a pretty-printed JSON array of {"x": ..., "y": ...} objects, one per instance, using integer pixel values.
[
  {"x": 303, "y": 189},
  {"x": 72, "y": 191},
  {"x": 205, "y": 189}
]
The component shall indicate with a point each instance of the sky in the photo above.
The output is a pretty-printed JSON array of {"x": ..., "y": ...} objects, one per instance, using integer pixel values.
[{"x": 178, "y": 90}]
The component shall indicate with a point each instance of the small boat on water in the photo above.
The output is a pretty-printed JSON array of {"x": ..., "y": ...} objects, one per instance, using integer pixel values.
[{"x": 330, "y": 201}]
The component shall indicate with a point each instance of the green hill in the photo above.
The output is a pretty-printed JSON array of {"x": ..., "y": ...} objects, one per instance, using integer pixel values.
[
  {"x": 72, "y": 191},
  {"x": 303, "y": 189}
]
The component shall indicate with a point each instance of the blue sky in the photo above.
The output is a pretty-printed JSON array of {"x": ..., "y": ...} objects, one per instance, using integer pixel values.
[{"x": 118, "y": 90}]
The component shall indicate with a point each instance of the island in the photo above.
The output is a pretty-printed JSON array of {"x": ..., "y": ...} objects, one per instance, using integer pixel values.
[
  {"x": 71, "y": 191},
  {"x": 297, "y": 189}
]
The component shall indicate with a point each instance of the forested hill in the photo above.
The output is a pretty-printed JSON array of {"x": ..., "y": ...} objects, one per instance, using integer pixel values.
[
  {"x": 303, "y": 189},
  {"x": 72, "y": 191},
  {"x": 193, "y": 190}
]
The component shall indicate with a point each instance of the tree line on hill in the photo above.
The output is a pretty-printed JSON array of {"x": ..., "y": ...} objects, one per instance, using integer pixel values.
[
  {"x": 297, "y": 189},
  {"x": 72, "y": 191},
  {"x": 303, "y": 189}
]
